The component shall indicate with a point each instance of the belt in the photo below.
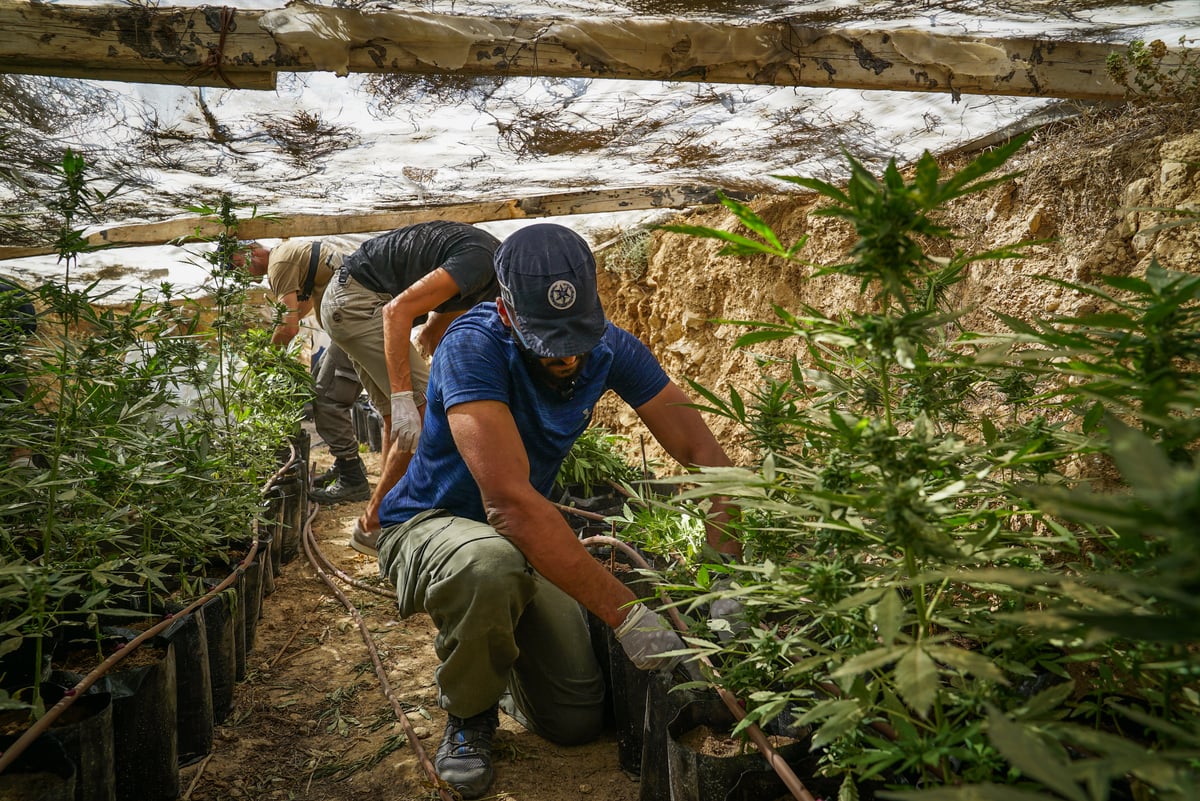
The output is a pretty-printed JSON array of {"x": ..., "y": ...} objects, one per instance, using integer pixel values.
[{"x": 343, "y": 275}]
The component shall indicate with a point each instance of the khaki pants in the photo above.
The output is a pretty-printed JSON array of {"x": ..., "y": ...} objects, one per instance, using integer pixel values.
[
  {"x": 501, "y": 626},
  {"x": 353, "y": 318}
]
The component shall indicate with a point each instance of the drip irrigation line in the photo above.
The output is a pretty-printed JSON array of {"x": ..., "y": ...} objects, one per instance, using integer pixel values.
[
  {"x": 777, "y": 762},
  {"x": 584, "y": 513},
  {"x": 330, "y": 567},
  {"x": 310, "y": 546},
  {"x": 278, "y": 474},
  {"x": 53, "y": 713}
]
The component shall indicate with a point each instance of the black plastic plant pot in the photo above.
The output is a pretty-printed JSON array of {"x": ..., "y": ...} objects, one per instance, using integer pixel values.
[
  {"x": 42, "y": 772},
  {"x": 292, "y": 492},
  {"x": 145, "y": 742},
  {"x": 270, "y": 527},
  {"x": 237, "y": 607},
  {"x": 85, "y": 731},
  {"x": 252, "y": 600},
  {"x": 277, "y": 539},
  {"x": 628, "y": 685},
  {"x": 193, "y": 686},
  {"x": 266, "y": 544},
  {"x": 374, "y": 434},
  {"x": 700, "y": 772},
  {"x": 239, "y": 629},
  {"x": 662, "y": 703},
  {"x": 760, "y": 785},
  {"x": 222, "y": 653},
  {"x": 303, "y": 444}
]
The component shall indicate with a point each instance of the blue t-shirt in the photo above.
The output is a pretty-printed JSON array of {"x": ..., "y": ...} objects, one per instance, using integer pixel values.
[{"x": 478, "y": 360}]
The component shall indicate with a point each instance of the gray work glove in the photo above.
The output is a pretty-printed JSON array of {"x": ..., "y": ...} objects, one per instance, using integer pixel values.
[
  {"x": 726, "y": 616},
  {"x": 646, "y": 636},
  {"x": 406, "y": 421}
]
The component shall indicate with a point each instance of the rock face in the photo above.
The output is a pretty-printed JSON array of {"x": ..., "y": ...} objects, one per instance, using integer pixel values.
[{"x": 1092, "y": 193}]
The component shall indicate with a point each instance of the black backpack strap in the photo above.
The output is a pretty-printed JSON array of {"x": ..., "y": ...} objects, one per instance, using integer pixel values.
[{"x": 314, "y": 256}]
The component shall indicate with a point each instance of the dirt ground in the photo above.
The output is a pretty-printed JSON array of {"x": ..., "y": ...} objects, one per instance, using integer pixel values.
[{"x": 311, "y": 722}]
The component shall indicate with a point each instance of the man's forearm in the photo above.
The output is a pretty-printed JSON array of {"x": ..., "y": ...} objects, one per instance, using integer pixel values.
[
  {"x": 284, "y": 334},
  {"x": 394, "y": 467},
  {"x": 554, "y": 551},
  {"x": 397, "y": 329}
]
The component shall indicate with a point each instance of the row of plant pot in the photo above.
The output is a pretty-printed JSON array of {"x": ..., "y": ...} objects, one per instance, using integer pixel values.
[
  {"x": 677, "y": 741},
  {"x": 127, "y": 736}
]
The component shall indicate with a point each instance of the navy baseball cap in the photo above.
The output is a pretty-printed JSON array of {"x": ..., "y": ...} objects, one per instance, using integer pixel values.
[{"x": 547, "y": 278}]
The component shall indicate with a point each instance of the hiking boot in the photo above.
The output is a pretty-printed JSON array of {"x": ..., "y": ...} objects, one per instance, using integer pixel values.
[
  {"x": 365, "y": 542},
  {"x": 464, "y": 759},
  {"x": 350, "y": 484},
  {"x": 341, "y": 491},
  {"x": 328, "y": 477}
]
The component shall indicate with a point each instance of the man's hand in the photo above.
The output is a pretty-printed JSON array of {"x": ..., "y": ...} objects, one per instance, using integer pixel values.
[
  {"x": 726, "y": 617},
  {"x": 406, "y": 422},
  {"x": 646, "y": 636}
]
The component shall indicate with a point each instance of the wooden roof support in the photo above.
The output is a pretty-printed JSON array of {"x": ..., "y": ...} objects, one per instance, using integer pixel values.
[
  {"x": 222, "y": 46},
  {"x": 554, "y": 205}
]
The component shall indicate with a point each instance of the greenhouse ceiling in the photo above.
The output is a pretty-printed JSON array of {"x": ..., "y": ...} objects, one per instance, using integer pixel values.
[{"x": 372, "y": 113}]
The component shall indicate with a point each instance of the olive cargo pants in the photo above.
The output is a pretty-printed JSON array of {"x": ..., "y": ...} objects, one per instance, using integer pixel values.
[{"x": 501, "y": 626}]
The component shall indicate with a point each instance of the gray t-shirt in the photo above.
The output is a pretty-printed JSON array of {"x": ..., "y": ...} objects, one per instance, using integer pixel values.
[{"x": 394, "y": 261}]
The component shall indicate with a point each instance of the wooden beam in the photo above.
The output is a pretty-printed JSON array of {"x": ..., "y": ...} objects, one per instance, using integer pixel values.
[
  {"x": 555, "y": 205},
  {"x": 219, "y": 45}
]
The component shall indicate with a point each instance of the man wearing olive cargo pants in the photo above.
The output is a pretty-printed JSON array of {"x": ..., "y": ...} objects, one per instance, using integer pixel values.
[{"x": 469, "y": 533}]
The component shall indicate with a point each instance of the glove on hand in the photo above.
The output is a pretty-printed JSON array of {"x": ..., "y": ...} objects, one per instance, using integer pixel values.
[
  {"x": 646, "y": 636},
  {"x": 726, "y": 616},
  {"x": 406, "y": 422}
]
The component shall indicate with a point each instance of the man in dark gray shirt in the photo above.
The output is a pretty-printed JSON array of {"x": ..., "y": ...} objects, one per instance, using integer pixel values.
[{"x": 428, "y": 273}]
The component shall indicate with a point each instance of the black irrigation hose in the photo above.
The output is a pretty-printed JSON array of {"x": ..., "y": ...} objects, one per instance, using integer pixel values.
[
  {"x": 330, "y": 567},
  {"x": 311, "y": 551}
]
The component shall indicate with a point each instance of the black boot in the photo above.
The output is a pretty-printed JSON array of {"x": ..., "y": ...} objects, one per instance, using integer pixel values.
[
  {"x": 350, "y": 484},
  {"x": 328, "y": 477}
]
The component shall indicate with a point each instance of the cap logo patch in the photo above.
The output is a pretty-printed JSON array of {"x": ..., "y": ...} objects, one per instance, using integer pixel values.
[{"x": 561, "y": 295}]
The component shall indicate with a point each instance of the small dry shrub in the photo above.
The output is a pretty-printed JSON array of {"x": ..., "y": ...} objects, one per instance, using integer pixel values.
[
  {"x": 629, "y": 254},
  {"x": 306, "y": 138}
]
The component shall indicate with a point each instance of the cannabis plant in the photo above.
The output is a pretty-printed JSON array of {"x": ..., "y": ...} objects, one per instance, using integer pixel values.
[
  {"x": 915, "y": 587},
  {"x": 151, "y": 433},
  {"x": 595, "y": 463}
]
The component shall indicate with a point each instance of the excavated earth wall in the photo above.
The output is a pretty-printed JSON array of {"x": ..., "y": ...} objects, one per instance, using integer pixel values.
[{"x": 1091, "y": 191}]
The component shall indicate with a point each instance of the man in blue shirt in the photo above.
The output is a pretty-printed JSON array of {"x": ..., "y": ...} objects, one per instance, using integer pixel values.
[{"x": 469, "y": 535}]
